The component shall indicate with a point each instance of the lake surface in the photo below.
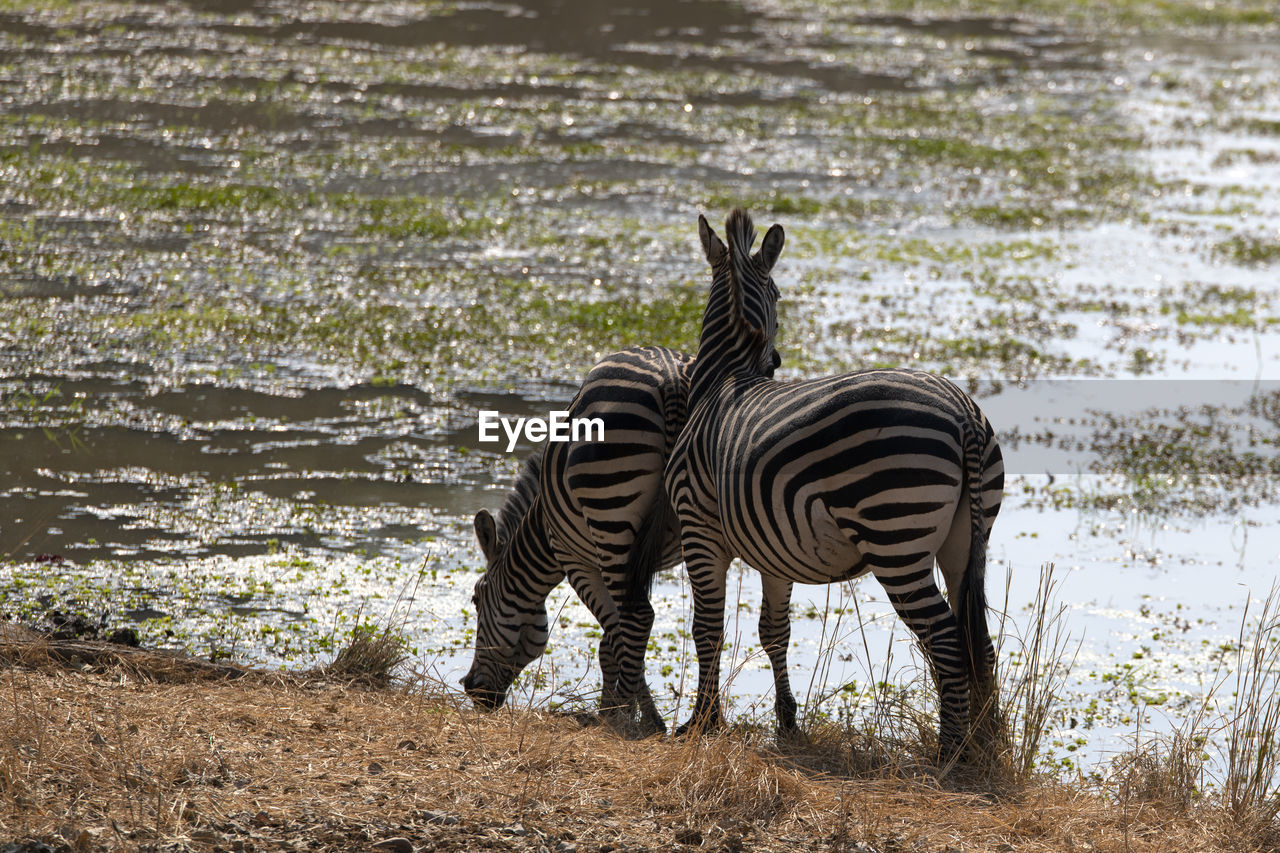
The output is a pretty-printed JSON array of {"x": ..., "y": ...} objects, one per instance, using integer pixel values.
[{"x": 262, "y": 264}]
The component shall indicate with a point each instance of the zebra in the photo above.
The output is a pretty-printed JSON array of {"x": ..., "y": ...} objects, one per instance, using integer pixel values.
[
  {"x": 823, "y": 480},
  {"x": 573, "y": 513}
]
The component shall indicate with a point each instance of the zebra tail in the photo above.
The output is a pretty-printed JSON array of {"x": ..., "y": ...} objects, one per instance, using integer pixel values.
[
  {"x": 974, "y": 635},
  {"x": 645, "y": 559},
  {"x": 987, "y": 725}
]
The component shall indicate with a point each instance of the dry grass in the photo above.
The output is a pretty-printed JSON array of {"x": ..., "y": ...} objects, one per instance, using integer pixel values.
[
  {"x": 372, "y": 655},
  {"x": 1036, "y": 658},
  {"x": 1170, "y": 773},
  {"x": 107, "y": 758},
  {"x": 1253, "y": 732}
]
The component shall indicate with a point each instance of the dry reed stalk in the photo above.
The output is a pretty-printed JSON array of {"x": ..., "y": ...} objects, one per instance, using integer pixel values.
[
  {"x": 1031, "y": 690},
  {"x": 1249, "y": 789},
  {"x": 1167, "y": 775}
]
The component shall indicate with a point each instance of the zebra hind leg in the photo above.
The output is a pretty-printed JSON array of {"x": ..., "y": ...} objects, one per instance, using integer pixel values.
[
  {"x": 625, "y": 633},
  {"x": 707, "y": 716},
  {"x": 620, "y": 699},
  {"x": 920, "y": 604},
  {"x": 775, "y": 635},
  {"x": 707, "y": 577}
]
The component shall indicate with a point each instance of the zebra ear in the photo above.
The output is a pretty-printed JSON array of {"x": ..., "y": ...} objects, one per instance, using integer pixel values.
[
  {"x": 771, "y": 247},
  {"x": 487, "y": 534},
  {"x": 711, "y": 245}
]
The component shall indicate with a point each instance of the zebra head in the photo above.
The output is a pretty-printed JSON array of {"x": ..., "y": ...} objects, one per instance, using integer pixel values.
[
  {"x": 743, "y": 292},
  {"x": 510, "y": 632}
]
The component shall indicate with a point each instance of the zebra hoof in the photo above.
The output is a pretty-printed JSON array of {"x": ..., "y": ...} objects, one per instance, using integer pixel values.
[
  {"x": 698, "y": 727},
  {"x": 624, "y": 722},
  {"x": 615, "y": 718},
  {"x": 792, "y": 736},
  {"x": 651, "y": 722},
  {"x": 649, "y": 728},
  {"x": 949, "y": 756}
]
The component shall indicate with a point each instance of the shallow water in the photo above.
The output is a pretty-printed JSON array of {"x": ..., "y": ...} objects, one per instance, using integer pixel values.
[{"x": 262, "y": 264}]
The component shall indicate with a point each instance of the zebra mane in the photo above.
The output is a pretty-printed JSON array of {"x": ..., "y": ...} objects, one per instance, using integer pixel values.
[
  {"x": 518, "y": 501},
  {"x": 740, "y": 234}
]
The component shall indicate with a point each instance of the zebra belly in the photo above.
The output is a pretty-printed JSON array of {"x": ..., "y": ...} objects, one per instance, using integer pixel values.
[
  {"x": 816, "y": 541},
  {"x": 818, "y": 550}
]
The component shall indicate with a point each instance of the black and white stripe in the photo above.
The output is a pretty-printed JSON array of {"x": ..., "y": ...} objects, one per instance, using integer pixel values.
[
  {"x": 574, "y": 513},
  {"x": 820, "y": 481}
]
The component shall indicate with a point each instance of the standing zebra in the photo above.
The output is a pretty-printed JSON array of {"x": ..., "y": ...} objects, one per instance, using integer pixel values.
[
  {"x": 573, "y": 513},
  {"x": 823, "y": 480}
]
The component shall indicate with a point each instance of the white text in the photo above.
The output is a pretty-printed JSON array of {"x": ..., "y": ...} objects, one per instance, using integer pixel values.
[{"x": 557, "y": 426}]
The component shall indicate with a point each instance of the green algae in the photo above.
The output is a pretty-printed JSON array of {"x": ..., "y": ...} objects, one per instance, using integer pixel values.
[
  {"x": 209, "y": 203},
  {"x": 1094, "y": 16},
  {"x": 1247, "y": 249}
]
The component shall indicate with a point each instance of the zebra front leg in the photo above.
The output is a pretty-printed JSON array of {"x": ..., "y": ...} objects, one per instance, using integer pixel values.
[
  {"x": 591, "y": 589},
  {"x": 922, "y": 607},
  {"x": 707, "y": 571},
  {"x": 775, "y": 635},
  {"x": 610, "y": 672}
]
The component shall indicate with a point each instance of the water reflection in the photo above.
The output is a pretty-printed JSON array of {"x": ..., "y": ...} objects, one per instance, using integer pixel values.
[{"x": 215, "y": 470}]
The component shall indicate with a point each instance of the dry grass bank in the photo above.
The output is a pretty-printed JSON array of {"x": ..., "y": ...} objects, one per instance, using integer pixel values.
[{"x": 102, "y": 755}]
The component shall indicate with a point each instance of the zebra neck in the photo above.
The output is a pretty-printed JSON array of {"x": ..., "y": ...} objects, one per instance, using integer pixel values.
[
  {"x": 531, "y": 567},
  {"x": 729, "y": 343},
  {"x": 710, "y": 374}
]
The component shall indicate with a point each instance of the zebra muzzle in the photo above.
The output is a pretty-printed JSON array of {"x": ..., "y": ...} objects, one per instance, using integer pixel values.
[{"x": 482, "y": 697}]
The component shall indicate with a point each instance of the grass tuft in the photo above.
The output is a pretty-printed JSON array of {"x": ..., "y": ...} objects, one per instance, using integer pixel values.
[
  {"x": 1247, "y": 250},
  {"x": 1034, "y": 677},
  {"x": 372, "y": 656},
  {"x": 1166, "y": 773},
  {"x": 723, "y": 780},
  {"x": 1253, "y": 757}
]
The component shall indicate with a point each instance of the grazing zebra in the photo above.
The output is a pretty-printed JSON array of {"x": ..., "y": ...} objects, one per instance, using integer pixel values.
[
  {"x": 823, "y": 480},
  {"x": 573, "y": 513}
]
